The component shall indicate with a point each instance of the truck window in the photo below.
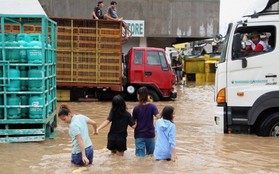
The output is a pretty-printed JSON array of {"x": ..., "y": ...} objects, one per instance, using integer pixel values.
[
  {"x": 138, "y": 57},
  {"x": 256, "y": 40},
  {"x": 157, "y": 58}
]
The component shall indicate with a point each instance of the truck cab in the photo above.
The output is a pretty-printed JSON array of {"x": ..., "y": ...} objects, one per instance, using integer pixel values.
[
  {"x": 149, "y": 67},
  {"x": 247, "y": 82}
]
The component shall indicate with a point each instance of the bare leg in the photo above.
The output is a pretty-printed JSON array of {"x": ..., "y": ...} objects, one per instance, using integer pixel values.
[{"x": 119, "y": 153}]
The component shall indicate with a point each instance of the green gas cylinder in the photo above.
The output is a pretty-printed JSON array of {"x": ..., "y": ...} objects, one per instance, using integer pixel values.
[
  {"x": 34, "y": 54},
  {"x": 35, "y": 85},
  {"x": 14, "y": 75},
  {"x": 22, "y": 40},
  {"x": 35, "y": 112},
  {"x": 11, "y": 47},
  {"x": 13, "y": 112}
]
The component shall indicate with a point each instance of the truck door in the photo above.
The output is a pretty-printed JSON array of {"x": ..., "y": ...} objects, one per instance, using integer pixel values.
[
  {"x": 252, "y": 73},
  {"x": 157, "y": 70}
]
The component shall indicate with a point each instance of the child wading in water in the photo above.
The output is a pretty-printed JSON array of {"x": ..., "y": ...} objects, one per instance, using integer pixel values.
[
  {"x": 166, "y": 130},
  {"x": 82, "y": 147},
  {"x": 120, "y": 119},
  {"x": 144, "y": 133}
]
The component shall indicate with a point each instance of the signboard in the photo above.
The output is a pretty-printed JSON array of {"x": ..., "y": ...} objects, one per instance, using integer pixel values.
[{"x": 136, "y": 27}]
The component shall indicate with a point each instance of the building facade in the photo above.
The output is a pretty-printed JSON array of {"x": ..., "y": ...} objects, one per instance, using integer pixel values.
[{"x": 165, "y": 21}]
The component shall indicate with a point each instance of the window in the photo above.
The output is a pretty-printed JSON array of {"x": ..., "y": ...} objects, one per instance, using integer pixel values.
[
  {"x": 157, "y": 58},
  {"x": 255, "y": 40},
  {"x": 138, "y": 57},
  {"x": 153, "y": 58}
]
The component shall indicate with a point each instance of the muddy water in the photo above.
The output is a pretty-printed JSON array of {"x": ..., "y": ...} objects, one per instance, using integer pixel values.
[{"x": 199, "y": 148}]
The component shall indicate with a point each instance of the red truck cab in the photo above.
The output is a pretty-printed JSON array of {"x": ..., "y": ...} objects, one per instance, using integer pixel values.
[{"x": 148, "y": 67}]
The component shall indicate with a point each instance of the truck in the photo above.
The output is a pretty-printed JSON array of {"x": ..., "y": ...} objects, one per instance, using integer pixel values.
[
  {"x": 90, "y": 63},
  {"x": 246, "y": 83}
]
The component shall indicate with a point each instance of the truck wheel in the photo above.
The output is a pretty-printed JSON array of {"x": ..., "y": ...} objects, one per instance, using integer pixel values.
[
  {"x": 269, "y": 126},
  {"x": 153, "y": 96}
]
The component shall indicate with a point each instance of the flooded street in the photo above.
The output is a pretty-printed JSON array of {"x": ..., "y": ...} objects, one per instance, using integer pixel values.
[{"x": 199, "y": 148}]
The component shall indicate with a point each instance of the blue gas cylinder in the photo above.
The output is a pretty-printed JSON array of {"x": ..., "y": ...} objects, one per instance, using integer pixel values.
[
  {"x": 22, "y": 40},
  {"x": 24, "y": 101},
  {"x": 49, "y": 53},
  {"x": 35, "y": 85},
  {"x": 11, "y": 47},
  {"x": 23, "y": 74},
  {"x": 35, "y": 111},
  {"x": 13, "y": 112},
  {"x": 34, "y": 53},
  {"x": 1, "y": 107},
  {"x": 14, "y": 75}
]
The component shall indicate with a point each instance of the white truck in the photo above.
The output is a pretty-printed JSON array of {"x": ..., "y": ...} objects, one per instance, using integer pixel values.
[{"x": 247, "y": 83}]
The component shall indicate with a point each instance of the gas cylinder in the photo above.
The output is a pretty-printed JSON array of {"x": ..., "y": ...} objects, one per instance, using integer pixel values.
[
  {"x": 34, "y": 54},
  {"x": 13, "y": 112},
  {"x": 35, "y": 112},
  {"x": 22, "y": 40},
  {"x": 14, "y": 75},
  {"x": 11, "y": 47},
  {"x": 35, "y": 85}
]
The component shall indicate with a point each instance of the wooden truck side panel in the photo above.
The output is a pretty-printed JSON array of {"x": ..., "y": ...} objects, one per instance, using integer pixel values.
[{"x": 89, "y": 53}]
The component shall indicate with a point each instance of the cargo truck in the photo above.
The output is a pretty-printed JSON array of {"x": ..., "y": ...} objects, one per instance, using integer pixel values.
[
  {"x": 246, "y": 83},
  {"x": 90, "y": 63}
]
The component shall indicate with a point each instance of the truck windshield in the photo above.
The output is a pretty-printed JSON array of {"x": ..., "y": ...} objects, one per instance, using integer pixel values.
[{"x": 225, "y": 45}]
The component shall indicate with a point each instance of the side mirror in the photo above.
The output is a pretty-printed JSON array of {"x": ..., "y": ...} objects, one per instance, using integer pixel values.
[{"x": 218, "y": 38}]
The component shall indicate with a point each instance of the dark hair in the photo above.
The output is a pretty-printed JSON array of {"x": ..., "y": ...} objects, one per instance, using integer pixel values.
[
  {"x": 167, "y": 113},
  {"x": 113, "y": 2},
  {"x": 143, "y": 94},
  {"x": 64, "y": 110},
  {"x": 255, "y": 34},
  {"x": 118, "y": 105},
  {"x": 100, "y": 2}
]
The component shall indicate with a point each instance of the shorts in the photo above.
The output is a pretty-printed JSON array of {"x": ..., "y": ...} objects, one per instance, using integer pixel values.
[
  {"x": 179, "y": 73},
  {"x": 119, "y": 145},
  {"x": 77, "y": 158},
  {"x": 144, "y": 146}
]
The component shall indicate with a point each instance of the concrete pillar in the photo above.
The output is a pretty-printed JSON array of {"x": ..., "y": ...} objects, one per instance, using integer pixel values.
[{"x": 143, "y": 42}]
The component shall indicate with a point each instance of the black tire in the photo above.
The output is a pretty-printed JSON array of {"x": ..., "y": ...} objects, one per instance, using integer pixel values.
[
  {"x": 153, "y": 96},
  {"x": 269, "y": 126}
]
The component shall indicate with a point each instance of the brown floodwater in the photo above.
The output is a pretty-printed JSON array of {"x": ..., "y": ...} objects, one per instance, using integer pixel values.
[{"x": 199, "y": 148}]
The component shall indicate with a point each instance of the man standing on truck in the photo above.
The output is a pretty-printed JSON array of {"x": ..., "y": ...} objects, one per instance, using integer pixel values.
[{"x": 112, "y": 13}]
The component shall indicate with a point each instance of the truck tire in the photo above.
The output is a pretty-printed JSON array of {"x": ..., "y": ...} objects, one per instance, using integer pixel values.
[
  {"x": 269, "y": 126},
  {"x": 153, "y": 96}
]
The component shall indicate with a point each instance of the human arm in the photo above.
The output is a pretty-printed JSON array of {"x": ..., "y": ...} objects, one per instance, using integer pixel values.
[
  {"x": 94, "y": 15},
  {"x": 82, "y": 149},
  {"x": 104, "y": 124},
  {"x": 94, "y": 124}
]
